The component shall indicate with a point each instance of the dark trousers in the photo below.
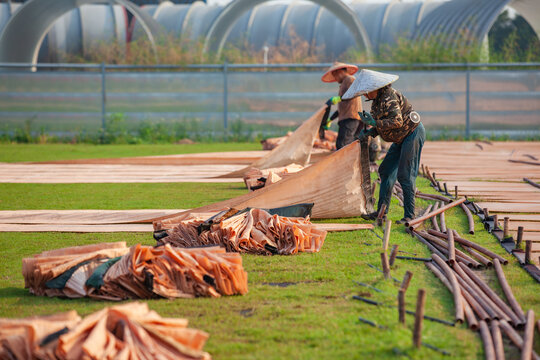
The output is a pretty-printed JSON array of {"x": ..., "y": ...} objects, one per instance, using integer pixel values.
[
  {"x": 348, "y": 129},
  {"x": 401, "y": 163}
]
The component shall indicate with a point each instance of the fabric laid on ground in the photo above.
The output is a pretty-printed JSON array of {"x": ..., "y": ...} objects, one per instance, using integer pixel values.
[
  {"x": 256, "y": 179},
  {"x": 339, "y": 186},
  {"x": 253, "y": 231},
  {"x": 296, "y": 149},
  {"x": 129, "y": 331},
  {"x": 112, "y": 271},
  {"x": 328, "y": 143}
]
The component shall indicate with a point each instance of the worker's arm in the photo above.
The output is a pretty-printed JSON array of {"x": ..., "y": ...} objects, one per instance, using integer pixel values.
[
  {"x": 328, "y": 122},
  {"x": 364, "y": 134},
  {"x": 391, "y": 117}
]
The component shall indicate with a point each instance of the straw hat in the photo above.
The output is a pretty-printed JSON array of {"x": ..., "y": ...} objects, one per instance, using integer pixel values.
[
  {"x": 328, "y": 77},
  {"x": 368, "y": 81}
]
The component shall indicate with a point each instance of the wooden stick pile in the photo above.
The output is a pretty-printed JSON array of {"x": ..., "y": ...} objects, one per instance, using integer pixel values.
[
  {"x": 129, "y": 331},
  {"x": 140, "y": 272}
]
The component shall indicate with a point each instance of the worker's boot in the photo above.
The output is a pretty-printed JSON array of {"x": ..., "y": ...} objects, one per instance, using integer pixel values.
[
  {"x": 403, "y": 221},
  {"x": 371, "y": 216}
]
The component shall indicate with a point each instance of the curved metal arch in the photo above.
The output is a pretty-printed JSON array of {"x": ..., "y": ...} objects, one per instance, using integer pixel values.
[
  {"x": 218, "y": 32},
  {"x": 21, "y": 38}
]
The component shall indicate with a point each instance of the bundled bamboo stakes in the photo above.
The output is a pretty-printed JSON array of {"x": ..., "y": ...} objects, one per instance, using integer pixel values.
[
  {"x": 471, "y": 318},
  {"x": 526, "y": 350},
  {"x": 489, "y": 349},
  {"x": 456, "y": 291},
  {"x": 471, "y": 244},
  {"x": 507, "y": 290},
  {"x": 493, "y": 296},
  {"x": 434, "y": 213},
  {"x": 419, "y": 317},
  {"x": 443, "y": 245},
  {"x": 515, "y": 337}
]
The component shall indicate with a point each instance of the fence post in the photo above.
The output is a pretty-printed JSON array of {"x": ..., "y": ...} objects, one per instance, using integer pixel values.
[
  {"x": 468, "y": 102},
  {"x": 225, "y": 96},
  {"x": 103, "y": 98}
]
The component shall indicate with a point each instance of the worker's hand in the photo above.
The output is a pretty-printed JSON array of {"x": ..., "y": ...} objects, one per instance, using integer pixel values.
[
  {"x": 333, "y": 100},
  {"x": 363, "y": 135},
  {"x": 327, "y": 125},
  {"x": 367, "y": 119}
]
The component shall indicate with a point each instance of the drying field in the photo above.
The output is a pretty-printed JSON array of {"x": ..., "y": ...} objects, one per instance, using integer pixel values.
[{"x": 298, "y": 306}]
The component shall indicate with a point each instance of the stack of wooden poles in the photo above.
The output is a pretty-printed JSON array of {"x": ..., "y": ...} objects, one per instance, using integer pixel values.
[{"x": 475, "y": 301}]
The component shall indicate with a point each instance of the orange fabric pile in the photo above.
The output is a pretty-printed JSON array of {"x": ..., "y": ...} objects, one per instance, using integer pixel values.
[
  {"x": 256, "y": 179},
  {"x": 171, "y": 272},
  {"x": 253, "y": 231},
  {"x": 139, "y": 272},
  {"x": 49, "y": 265},
  {"x": 129, "y": 331}
]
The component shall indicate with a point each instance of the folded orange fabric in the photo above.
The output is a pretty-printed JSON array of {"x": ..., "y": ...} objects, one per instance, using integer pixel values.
[
  {"x": 129, "y": 331},
  {"x": 117, "y": 272},
  {"x": 253, "y": 231}
]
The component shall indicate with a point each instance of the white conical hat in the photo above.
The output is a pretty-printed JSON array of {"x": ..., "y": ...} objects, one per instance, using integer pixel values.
[{"x": 368, "y": 81}]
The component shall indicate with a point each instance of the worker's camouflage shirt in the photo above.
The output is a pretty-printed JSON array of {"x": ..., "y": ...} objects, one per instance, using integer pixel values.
[{"x": 391, "y": 110}]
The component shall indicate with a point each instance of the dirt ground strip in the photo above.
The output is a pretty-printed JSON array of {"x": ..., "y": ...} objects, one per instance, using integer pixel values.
[{"x": 492, "y": 174}]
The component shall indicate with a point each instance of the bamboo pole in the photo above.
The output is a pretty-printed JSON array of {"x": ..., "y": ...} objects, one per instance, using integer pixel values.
[
  {"x": 456, "y": 191},
  {"x": 434, "y": 221},
  {"x": 508, "y": 290},
  {"x": 385, "y": 266},
  {"x": 458, "y": 301},
  {"x": 419, "y": 317},
  {"x": 506, "y": 227},
  {"x": 406, "y": 280},
  {"x": 470, "y": 219},
  {"x": 466, "y": 242},
  {"x": 442, "y": 219},
  {"x": 451, "y": 248},
  {"x": 527, "y": 349},
  {"x": 519, "y": 237},
  {"x": 401, "y": 306},
  {"x": 393, "y": 255},
  {"x": 386, "y": 236},
  {"x": 434, "y": 213},
  {"x": 497, "y": 340},
  {"x": 493, "y": 296},
  {"x": 528, "y": 251},
  {"x": 481, "y": 258},
  {"x": 489, "y": 350}
]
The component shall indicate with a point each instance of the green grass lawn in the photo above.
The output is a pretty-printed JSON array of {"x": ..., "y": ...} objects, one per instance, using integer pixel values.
[
  {"x": 50, "y": 152},
  {"x": 314, "y": 317}
]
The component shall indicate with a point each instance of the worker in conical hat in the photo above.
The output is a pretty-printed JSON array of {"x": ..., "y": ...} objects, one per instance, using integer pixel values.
[
  {"x": 347, "y": 110},
  {"x": 393, "y": 118}
]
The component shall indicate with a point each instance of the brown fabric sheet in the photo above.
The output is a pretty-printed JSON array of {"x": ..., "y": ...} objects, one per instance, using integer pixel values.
[
  {"x": 254, "y": 231},
  {"x": 335, "y": 185},
  {"x": 128, "y": 331},
  {"x": 296, "y": 149}
]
